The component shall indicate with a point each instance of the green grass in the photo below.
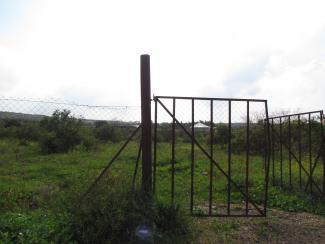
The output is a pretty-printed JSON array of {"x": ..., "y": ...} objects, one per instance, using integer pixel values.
[{"x": 36, "y": 189}]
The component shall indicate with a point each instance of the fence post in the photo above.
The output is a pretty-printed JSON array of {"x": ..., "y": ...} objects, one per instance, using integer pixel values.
[{"x": 146, "y": 124}]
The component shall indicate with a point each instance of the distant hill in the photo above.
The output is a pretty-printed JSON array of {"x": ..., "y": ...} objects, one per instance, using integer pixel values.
[
  {"x": 38, "y": 117},
  {"x": 21, "y": 116}
]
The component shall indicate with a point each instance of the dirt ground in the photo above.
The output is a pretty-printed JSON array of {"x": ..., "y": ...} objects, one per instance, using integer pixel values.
[{"x": 277, "y": 227}]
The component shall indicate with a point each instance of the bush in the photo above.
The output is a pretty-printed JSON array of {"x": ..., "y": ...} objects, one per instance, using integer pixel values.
[
  {"x": 8, "y": 132},
  {"x": 171, "y": 220},
  {"x": 88, "y": 139},
  {"x": 8, "y": 128},
  {"x": 9, "y": 122},
  {"x": 61, "y": 132},
  {"x": 112, "y": 216},
  {"x": 22, "y": 130},
  {"x": 106, "y": 132},
  {"x": 164, "y": 133},
  {"x": 100, "y": 123},
  {"x": 221, "y": 135},
  {"x": 239, "y": 138},
  {"x": 32, "y": 227},
  {"x": 28, "y": 131}
]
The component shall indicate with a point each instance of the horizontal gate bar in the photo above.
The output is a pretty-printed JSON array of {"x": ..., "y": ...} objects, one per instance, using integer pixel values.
[
  {"x": 228, "y": 215},
  {"x": 211, "y": 98},
  {"x": 291, "y": 115}
]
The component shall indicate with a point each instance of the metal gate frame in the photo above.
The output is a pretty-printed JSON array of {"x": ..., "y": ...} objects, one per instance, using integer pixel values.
[
  {"x": 298, "y": 158},
  {"x": 209, "y": 155}
]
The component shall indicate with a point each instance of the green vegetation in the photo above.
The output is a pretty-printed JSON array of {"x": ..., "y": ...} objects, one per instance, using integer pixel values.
[
  {"x": 40, "y": 190},
  {"x": 113, "y": 216}
]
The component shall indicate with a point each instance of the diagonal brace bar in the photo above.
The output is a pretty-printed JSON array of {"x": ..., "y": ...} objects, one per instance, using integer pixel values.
[
  {"x": 301, "y": 166},
  {"x": 112, "y": 161},
  {"x": 136, "y": 166},
  {"x": 313, "y": 169}
]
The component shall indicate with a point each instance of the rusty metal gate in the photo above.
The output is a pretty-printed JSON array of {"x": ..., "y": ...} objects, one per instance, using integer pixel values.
[
  {"x": 297, "y": 152},
  {"x": 212, "y": 154}
]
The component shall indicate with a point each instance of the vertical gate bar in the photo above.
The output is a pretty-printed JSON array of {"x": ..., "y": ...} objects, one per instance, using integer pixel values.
[
  {"x": 229, "y": 156},
  {"x": 267, "y": 170},
  {"x": 299, "y": 148},
  {"x": 264, "y": 147},
  {"x": 247, "y": 156},
  {"x": 155, "y": 148},
  {"x": 322, "y": 148},
  {"x": 281, "y": 154},
  {"x": 173, "y": 153},
  {"x": 211, "y": 153},
  {"x": 310, "y": 154},
  {"x": 192, "y": 157},
  {"x": 290, "y": 149},
  {"x": 273, "y": 154}
]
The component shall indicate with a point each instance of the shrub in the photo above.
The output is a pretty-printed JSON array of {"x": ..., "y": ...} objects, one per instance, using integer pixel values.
[
  {"x": 221, "y": 135},
  {"x": 107, "y": 132},
  {"x": 9, "y": 122},
  {"x": 171, "y": 220},
  {"x": 88, "y": 139},
  {"x": 61, "y": 132},
  {"x": 28, "y": 131},
  {"x": 8, "y": 128},
  {"x": 112, "y": 216},
  {"x": 100, "y": 123},
  {"x": 31, "y": 227},
  {"x": 8, "y": 132}
]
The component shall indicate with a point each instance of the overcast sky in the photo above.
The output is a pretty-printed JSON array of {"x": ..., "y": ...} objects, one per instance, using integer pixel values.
[{"x": 88, "y": 51}]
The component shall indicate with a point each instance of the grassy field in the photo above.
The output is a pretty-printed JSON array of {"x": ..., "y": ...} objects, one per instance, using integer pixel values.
[{"x": 36, "y": 190}]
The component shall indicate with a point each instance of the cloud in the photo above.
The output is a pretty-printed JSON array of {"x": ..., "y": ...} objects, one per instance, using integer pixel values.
[
  {"x": 7, "y": 79},
  {"x": 89, "y": 51},
  {"x": 241, "y": 77},
  {"x": 289, "y": 80},
  {"x": 10, "y": 13}
]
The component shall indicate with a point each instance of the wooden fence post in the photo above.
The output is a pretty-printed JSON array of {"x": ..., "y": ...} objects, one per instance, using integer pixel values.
[{"x": 146, "y": 124}]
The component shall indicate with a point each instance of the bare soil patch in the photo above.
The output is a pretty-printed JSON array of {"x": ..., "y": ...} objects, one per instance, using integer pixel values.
[{"x": 278, "y": 227}]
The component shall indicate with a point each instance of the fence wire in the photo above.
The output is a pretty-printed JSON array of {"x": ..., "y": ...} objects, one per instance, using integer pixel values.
[{"x": 33, "y": 109}]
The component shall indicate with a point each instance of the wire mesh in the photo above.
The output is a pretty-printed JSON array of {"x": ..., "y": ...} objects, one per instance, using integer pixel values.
[{"x": 34, "y": 109}]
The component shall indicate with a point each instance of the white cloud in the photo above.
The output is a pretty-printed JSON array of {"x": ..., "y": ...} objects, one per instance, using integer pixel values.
[
  {"x": 88, "y": 51},
  {"x": 295, "y": 79}
]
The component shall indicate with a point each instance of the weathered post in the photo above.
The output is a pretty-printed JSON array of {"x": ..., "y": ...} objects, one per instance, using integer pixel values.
[{"x": 146, "y": 124}]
